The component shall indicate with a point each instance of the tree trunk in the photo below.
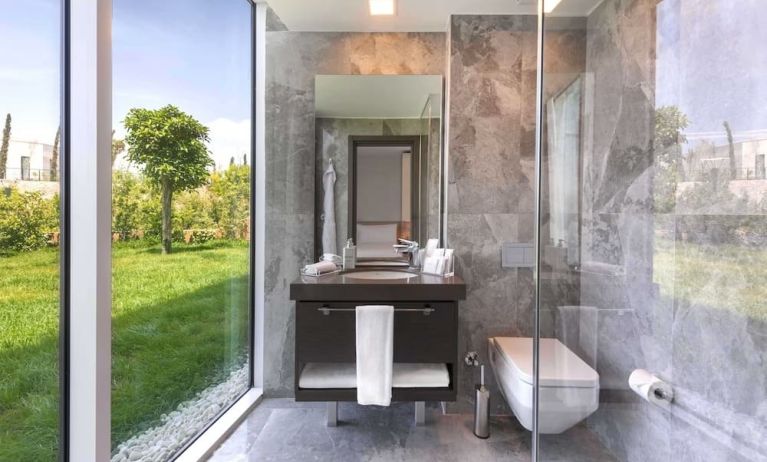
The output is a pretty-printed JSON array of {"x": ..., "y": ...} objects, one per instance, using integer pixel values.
[{"x": 167, "y": 232}]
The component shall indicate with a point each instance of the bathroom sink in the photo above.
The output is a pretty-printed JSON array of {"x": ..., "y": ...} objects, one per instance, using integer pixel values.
[{"x": 380, "y": 275}]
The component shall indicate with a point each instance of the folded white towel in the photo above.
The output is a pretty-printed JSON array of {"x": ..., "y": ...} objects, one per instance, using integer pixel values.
[
  {"x": 420, "y": 375},
  {"x": 344, "y": 375},
  {"x": 375, "y": 354},
  {"x": 328, "y": 375},
  {"x": 320, "y": 268}
]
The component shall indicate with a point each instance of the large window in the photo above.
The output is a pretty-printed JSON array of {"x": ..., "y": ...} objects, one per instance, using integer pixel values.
[
  {"x": 29, "y": 230},
  {"x": 180, "y": 219}
]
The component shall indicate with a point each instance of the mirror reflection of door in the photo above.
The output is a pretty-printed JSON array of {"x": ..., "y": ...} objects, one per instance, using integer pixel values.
[{"x": 384, "y": 194}]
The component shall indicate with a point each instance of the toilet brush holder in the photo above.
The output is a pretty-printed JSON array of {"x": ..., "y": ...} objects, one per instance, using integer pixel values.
[
  {"x": 481, "y": 407},
  {"x": 481, "y": 398}
]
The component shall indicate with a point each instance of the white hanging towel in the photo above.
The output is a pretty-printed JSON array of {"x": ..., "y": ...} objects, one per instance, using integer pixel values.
[
  {"x": 375, "y": 354},
  {"x": 329, "y": 210}
]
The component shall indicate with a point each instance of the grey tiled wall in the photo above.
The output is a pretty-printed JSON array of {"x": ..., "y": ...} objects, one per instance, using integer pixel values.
[{"x": 292, "y": 61}]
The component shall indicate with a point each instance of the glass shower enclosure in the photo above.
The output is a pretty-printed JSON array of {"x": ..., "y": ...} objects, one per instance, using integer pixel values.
[{"x": 652, "y": 235}]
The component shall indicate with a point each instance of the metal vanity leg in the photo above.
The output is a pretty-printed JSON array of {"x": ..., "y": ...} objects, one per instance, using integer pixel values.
[
  {"x": 332, "y": 413},
  {"x": 420, "y": 413}
]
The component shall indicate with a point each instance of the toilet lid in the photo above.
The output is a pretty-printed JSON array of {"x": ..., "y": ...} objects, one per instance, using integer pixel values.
[{"x": 559, "y": 367}]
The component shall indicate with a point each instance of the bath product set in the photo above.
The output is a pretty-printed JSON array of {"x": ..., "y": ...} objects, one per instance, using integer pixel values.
[{"x": 435, "y": 260}]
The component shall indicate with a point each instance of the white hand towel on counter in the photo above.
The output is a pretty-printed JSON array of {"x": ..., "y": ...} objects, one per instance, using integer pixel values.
[
  {"x": 320, "y": 268},
  {"x": 375, "y": 354}
]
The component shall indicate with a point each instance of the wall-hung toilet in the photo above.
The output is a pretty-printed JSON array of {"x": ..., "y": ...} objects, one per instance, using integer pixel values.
[{"x": 569, "y": 389}]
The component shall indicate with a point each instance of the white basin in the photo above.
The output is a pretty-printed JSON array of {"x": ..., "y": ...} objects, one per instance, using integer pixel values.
[{"x": 380, "y": 275}]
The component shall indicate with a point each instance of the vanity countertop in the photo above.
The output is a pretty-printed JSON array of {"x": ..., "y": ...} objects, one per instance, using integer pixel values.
[{"x": 341, "y": 287}]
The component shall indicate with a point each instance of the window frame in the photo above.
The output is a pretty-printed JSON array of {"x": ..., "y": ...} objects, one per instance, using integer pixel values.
[{"x": 85, "y": 237}]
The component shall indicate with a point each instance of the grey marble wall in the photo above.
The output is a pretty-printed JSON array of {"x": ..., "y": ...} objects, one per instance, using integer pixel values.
[
  {"x": 492, "y": 172},
  {"x": 292, "y": 61},
  {"x": 629, "y": 329}
]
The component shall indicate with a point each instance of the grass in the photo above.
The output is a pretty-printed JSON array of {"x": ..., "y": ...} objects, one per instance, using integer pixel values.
[
  {"x": 179, "y": 325},
  {"x": 722, "y": 276}
]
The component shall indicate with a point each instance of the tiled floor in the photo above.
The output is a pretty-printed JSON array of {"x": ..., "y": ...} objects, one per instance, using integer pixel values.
[{"x": 283, "y": 430}]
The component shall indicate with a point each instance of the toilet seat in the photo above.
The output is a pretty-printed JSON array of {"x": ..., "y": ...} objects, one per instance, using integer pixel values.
[{"x": 569, "y": 388}]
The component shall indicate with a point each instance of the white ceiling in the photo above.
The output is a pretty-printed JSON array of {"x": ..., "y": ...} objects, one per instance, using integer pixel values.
[
  {"x": 412, "y": 15},
  {"x": 374, "y": 96}
]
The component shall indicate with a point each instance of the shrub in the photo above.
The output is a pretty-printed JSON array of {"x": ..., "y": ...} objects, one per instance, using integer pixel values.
[
  {"x": 26, "y": 220},
  {"x": 199, "y": 236},
  {"x": 231, "y": 192},
  {"x": 221, "y": 208},
  {"x": 192, "y": 210},
  {"x": 136, "y": 209}
]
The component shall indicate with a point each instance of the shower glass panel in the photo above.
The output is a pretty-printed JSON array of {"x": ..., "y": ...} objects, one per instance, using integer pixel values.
[{"x": 652, "y": 230}]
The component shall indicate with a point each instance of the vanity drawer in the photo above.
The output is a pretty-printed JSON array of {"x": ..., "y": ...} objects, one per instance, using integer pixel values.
[{"x": 417, "y": 338}]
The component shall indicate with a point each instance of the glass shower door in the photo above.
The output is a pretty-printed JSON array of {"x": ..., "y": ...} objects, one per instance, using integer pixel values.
[{"x": 652, "y": 231}]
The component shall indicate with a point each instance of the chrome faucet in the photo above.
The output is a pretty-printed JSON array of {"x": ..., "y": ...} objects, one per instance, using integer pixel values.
[{"x": 411, "y": 248}]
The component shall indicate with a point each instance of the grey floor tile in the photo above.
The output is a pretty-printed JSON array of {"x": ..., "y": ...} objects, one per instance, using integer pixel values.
[{"x": 283, "y": 430}]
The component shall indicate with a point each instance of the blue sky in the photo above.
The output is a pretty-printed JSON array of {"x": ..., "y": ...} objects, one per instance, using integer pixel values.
[
  {"x": 711, "y": 62},
  {"x": 29, "y": 67},
  {"x": 191, "y": 53}
]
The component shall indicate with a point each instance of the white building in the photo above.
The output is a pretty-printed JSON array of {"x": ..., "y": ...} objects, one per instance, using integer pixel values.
[
  {"x": 29, "y": 161},
  {"x": 749, "y": 160}
]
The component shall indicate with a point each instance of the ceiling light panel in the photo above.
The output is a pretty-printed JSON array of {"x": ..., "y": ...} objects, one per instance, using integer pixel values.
[{"x": 382, "y": 7}]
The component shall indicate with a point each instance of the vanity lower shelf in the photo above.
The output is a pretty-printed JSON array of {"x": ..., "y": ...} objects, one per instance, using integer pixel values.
[
  {"x": 339, "y": 379},
  {"x": 425, "y": 333}
]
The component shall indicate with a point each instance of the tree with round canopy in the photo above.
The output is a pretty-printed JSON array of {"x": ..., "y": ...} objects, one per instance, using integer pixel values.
[{"x": 169, "y": 146}]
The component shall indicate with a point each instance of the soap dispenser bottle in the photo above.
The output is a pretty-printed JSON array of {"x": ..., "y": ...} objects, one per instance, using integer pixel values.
[{"x": 350, "y": 255}]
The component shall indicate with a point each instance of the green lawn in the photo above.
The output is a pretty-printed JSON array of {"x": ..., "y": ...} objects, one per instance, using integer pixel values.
[
  {"x": 179, "y": 325},
  {"x": 718, "y": 276}
]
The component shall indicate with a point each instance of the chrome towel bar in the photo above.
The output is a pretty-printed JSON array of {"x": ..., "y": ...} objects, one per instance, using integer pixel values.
[{"x": 326, "y": 310}]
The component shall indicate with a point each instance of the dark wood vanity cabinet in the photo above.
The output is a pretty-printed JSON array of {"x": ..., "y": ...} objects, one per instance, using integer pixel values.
[{"x": 324, "y": 336}]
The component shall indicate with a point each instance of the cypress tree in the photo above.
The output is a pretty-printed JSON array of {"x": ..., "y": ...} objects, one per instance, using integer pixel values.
[
  {"x": 4, "y": 146},
  {"x": 731, "y": 151},
  {"x": 55, "y": 156}
]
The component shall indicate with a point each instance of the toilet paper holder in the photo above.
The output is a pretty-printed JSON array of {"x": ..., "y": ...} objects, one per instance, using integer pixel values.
[
  {"x": 661, "y": 394},
  {"x": 651, "y": 388}
]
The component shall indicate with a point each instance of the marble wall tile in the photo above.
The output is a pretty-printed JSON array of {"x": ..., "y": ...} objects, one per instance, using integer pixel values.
[
  {"x": 617, "y": 226},
  {"x": 292, "y": 61},
  {"x": 487, "y": 188},
  {"x": 491, "y": 183}
]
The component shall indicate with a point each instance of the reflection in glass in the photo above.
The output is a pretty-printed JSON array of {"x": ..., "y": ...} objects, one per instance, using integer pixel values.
[
  {"x": 564, "y": 149},
  {"x": 670, "y": 220},
  {"x": 431, "y": 167}
]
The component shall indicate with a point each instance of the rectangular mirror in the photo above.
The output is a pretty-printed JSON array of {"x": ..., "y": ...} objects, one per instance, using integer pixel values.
[{"x": 378, "y": 163}]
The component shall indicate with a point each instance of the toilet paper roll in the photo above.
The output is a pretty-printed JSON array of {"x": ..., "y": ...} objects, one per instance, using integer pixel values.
[{"x": 651, "y": 388}]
